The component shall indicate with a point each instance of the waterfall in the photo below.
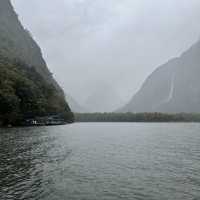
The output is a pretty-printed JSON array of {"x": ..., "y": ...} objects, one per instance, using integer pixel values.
[
  {"x": 171, "y": 92},
  {"x": 170, "y": 95}
]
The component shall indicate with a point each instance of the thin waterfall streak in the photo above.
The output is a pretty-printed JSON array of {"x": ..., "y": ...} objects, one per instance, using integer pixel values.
[
  {"x": 171, "y": 92},
  {"x": 170, "y": 95}
]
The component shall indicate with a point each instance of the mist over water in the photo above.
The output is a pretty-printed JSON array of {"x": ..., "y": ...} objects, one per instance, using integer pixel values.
[{"x": 101, "y": 161}]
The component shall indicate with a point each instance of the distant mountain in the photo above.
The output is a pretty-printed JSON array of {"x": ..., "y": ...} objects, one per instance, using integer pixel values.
[
  {"x": 74, "y": 105},
  {"x": 173, "y": 87},
  {"x": 27, "y": 88},
  {"x": 104, "y": 98}
]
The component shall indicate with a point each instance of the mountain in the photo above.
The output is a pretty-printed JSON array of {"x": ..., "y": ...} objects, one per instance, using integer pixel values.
[
  {"x": 74, "y": 105},
  {"x": 17, "y": 42},
  {"x": 27, "y": 88},
  {"x": 172, "y": 88},
  {"x": 104, "y": 98}
]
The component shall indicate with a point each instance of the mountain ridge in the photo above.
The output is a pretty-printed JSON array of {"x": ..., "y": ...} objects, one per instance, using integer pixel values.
[
  {"x": 163, "y": 90},
  {"x": 27, "y": 87}
]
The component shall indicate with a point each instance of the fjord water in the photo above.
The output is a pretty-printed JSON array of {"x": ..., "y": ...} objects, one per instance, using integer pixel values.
[{"x": 105, "y": 161}]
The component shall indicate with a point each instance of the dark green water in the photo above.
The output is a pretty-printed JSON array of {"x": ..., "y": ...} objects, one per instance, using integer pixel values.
[{"x": 102, "y": 161}]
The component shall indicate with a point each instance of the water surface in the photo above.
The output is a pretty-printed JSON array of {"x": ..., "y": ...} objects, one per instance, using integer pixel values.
[{"x": 105, "y": 161}]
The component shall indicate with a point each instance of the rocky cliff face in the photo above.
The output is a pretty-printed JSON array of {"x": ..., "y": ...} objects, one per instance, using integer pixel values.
[
  {"x": 17, "y": 43},
  {"x": 27, "y": 88},
  {"x": 172, "y": 88}
]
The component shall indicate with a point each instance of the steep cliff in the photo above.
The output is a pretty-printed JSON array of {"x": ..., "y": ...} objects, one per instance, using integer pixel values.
[
  {"x": 172, "y": 88},
  {"x": 23, "y": 69},
  {"x": 17, "y": 43}
]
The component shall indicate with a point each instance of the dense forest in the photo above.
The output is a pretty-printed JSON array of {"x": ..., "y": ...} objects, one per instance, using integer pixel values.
[
  {"x": 25, "y": 94},
  {"x": 27, "y": 87},
  {"x": 136, "y": 117}
]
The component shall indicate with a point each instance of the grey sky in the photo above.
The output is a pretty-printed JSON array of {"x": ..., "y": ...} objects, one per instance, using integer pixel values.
[{"x": 119, "y": 42}]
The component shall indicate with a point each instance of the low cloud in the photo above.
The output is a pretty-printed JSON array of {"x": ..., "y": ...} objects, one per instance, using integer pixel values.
[{"x": 113, "y": 41}]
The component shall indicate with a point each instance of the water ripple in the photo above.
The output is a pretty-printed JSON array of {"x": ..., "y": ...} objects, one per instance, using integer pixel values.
[{"x": 101, "y": 161}]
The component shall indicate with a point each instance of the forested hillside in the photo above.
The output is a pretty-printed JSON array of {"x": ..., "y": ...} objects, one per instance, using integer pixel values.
[
  {"x": 25, "y": 94},
  {"x": 27, "y": 88}
]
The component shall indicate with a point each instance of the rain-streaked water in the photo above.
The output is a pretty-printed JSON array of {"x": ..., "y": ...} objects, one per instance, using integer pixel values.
[{"x": 102, "y": 161}]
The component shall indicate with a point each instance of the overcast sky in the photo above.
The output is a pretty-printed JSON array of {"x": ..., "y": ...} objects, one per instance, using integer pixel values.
[{"x": 119, "y": 42}]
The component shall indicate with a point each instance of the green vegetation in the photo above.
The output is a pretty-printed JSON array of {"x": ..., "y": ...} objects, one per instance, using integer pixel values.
[
  {"x": 25, "y": 94},
  {"x": 136, "y": 117},
  {"x": 27, "y": 88}
]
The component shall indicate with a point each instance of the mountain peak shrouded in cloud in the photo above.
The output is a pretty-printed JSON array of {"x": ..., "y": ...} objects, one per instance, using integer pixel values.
[
  {"x": 103, "y": 98},
  {"x": 74, "y": 105},
  {"x": 119, "y": 41},
  {"x": 171, "y": 88}
]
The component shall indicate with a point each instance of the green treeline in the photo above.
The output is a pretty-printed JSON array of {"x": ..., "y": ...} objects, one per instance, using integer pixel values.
[
  {"x": 25, "y": 94},
  {"x": 136, "y": 117}
]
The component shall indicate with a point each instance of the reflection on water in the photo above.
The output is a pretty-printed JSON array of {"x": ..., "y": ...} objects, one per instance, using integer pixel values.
[{"x": 101, "y": 161}]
